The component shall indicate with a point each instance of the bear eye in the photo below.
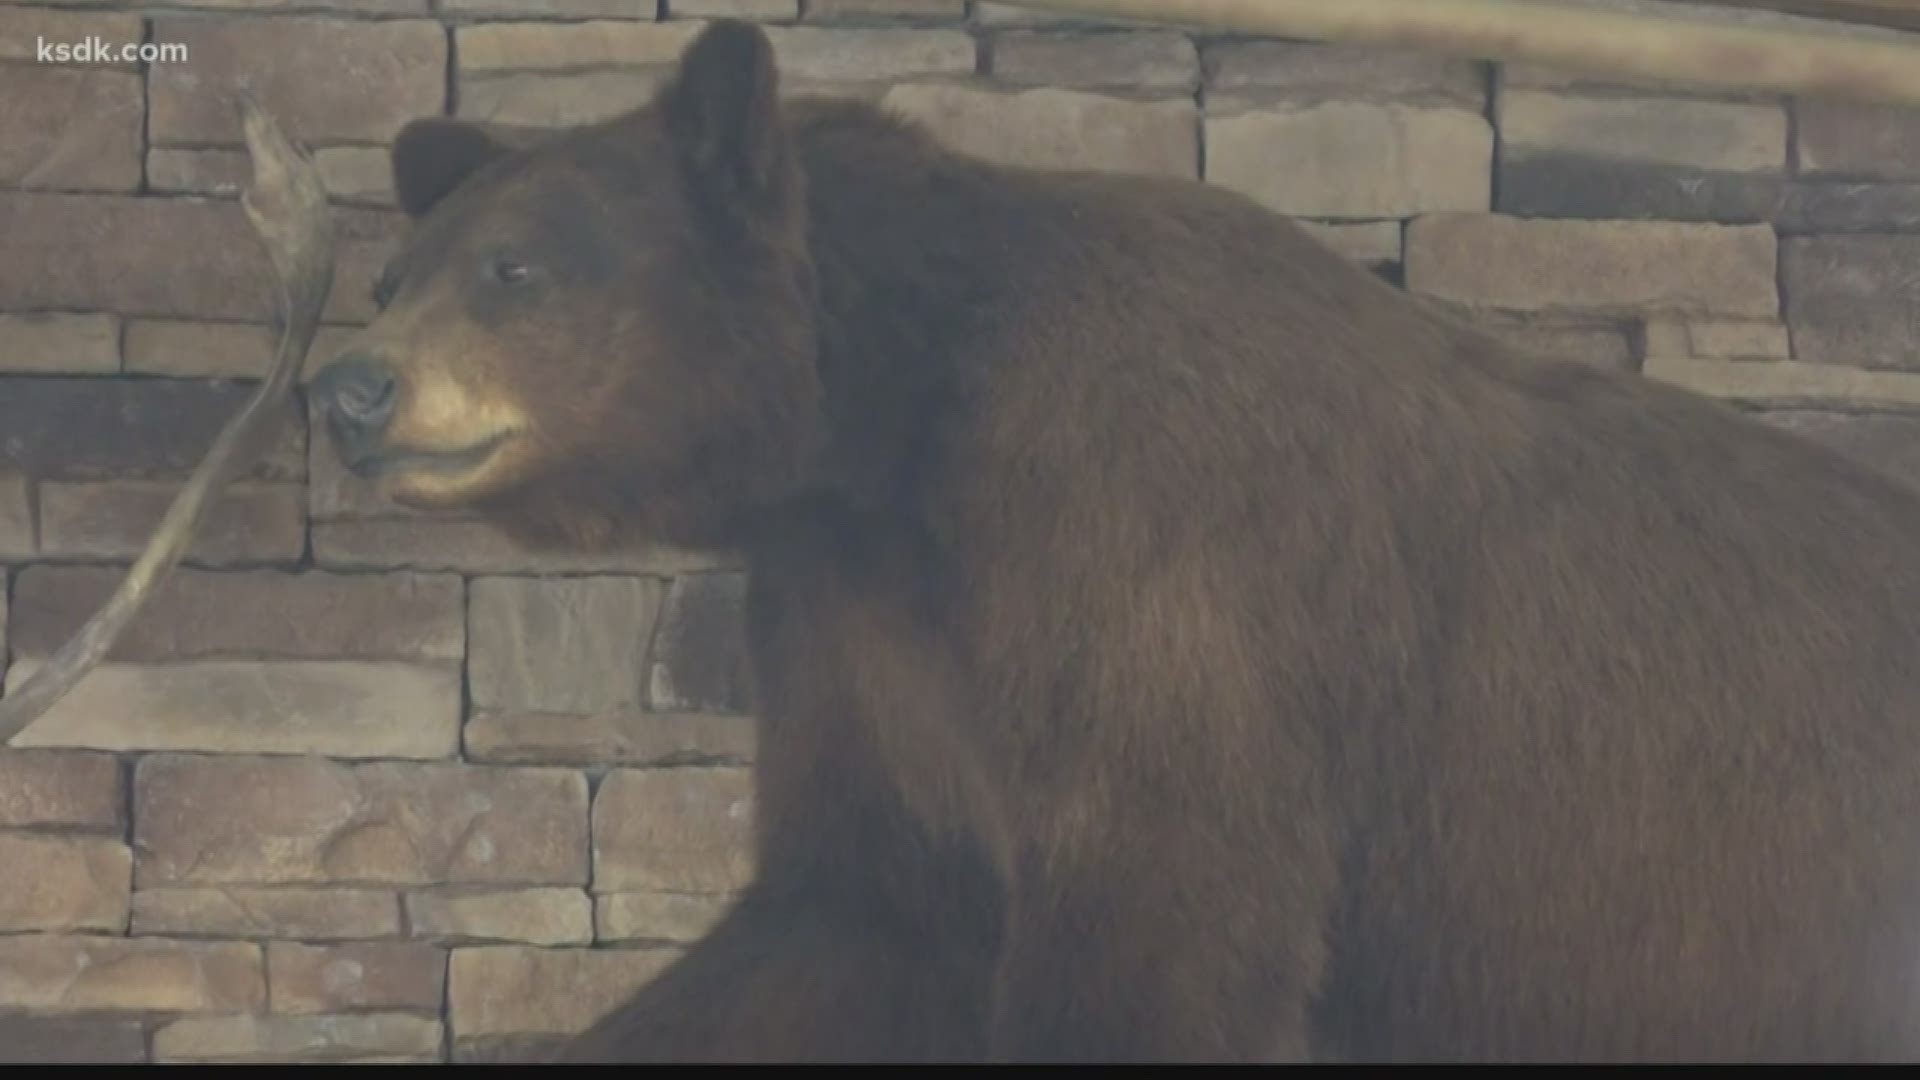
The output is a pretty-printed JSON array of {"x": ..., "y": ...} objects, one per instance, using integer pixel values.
[{"x": 508, "y": 272}]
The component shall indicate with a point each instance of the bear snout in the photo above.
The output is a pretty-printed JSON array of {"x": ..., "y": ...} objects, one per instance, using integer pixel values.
[{"x": 358, "y": 392}]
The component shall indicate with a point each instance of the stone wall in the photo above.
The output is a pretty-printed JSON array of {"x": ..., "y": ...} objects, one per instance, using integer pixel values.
[{"x": 367, "y": 783}]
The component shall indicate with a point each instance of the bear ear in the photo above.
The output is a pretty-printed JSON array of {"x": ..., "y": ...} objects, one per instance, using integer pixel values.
[
  {"x": 722, "y": 112},
  {"x": 432, "y": 156}
]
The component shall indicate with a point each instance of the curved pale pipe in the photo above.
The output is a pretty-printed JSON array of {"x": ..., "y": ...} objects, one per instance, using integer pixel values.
[{"x": 1625, "y": 44}]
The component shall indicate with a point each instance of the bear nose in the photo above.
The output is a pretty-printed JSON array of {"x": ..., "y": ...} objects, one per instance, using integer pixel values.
[{"x": 358, "y": 392}]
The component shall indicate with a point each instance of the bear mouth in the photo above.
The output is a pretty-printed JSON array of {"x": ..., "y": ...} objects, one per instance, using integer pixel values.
[{"x": 436, "y": 462}]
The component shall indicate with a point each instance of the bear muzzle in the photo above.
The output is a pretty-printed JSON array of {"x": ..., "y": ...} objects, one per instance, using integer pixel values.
[{"x": 358, "y": 394}]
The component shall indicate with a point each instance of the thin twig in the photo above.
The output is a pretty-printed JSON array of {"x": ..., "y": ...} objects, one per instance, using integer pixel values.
[{"x": 288, "y": 208}]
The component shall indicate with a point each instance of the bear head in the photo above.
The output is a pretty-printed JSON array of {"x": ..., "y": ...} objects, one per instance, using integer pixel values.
[{"x": 599, "y": 334}]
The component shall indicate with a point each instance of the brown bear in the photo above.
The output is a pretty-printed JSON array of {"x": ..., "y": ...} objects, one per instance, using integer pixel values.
[{"x": 1174, "y": 642}]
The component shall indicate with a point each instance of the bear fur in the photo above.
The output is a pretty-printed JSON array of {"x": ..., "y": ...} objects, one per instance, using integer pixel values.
[{"x": 1174, "y": 642}]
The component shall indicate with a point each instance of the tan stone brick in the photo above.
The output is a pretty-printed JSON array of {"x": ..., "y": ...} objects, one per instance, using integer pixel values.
[
  {"x": 182, "y": 347},
  {"x": 114, "y": 253},
  {"x": 1057, "y": 129},
  {"x": 1601, "y": 342},
  {"x": 16, "y": 523},
  {"x": 1719, "y": 135},
  {"x": 1788, "y": 383},
  {"x": 218, "y": 350},
  {"x": 1839, "y": 139},
  {"x": 1527, "y": 76},
  {"x": 197, "y": 615},
  {"x": 532, "y": 916},
  {"x": 995, "y": 13},
  {"x": 351, "y": 174},
  {"x": 1369, "y": 243},
  {"x": 61, "y": 789},
  {"x": 673, "y": 830},
  {"x": 88, "y": 429},
  {"x": 294, "y": 820},
  {"x": 1726, "y": 339},
  {"x": 1666, "y": 335},
  {"x": 1305, "y": 73},
  {"x": 1843, "y": 207},
  {"x": 22, "y": 29},
  {"x": 876, "y": 10},
  {"x": 676, "y": 918},
  {"x": 240, "y": 911},
  {"x": 617, "y": 738},
  {"x": 1851, "y": 299},
  {"x": 1493, "y": 261},
  {"x": 1146, "y": 60},
  {"x": 45, "y": 344},
  {"x": 1589, "y": 187},
  {"x": 560, "y": 644},
  {"x": 356, "y": 174},
  {"x": 66, "y": 1040},
  {"x": 323, "y": 79},
  {"x": 571, "y": 9},
  {"x": 510, "y": 1049},
  {"x": 490, "y": 48},
  {"x": 541, "y": 100},
  {"x": 473, "y": 547},
  {"x": 64, "y": 883},
  {"x": 513, "y": 990},
  {"x": 295, "y": 1038},
  {"x": 86, "y": 973},
  {"x": 113, "y": 519},
  {"x": 1349, "y": 160},
  {"x": 345, "y": 708},
  {"x": 219, "y": 173},
  {"x": 700, "y": 660},
  {"x": 763, "y": 10},
  {"x": 397, "y": 976},
  {"x": 69, "y": 129},
  {"x": 372, "y": 7},
  {"x": 871, "y": 55}
]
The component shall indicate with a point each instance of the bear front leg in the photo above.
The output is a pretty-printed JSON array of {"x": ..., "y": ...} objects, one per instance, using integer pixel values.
[
  {"x": 864, "y": 938},
  {"x": 1170, "y": 946},
  {"x": 868, "y": 935},
  {"x": 791, "y": 980},
  {"x": 872, "y": 931}
]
